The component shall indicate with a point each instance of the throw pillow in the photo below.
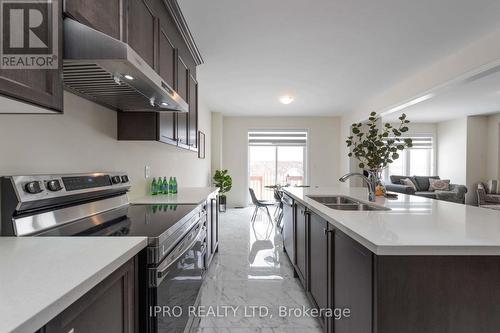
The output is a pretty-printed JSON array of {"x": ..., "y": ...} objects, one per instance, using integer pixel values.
[
  {"x": 439, "y": 185},
  {"x": 408, "y": 182},
  {"x": 423, "y": 182}
]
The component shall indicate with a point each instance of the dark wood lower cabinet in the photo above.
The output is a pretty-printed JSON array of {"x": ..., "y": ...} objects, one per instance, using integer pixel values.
[
  {"x": 352, "y": 284},
  {"x": 212, "y": 224},
  {"x": 436, "y": 294},
  {"x": 110, "y": 307},
  {"x": 301, "y": 247},
  {"x": 393, "y": 294},
  {"x": 336, "y": 272},
  {"x": 319, "y": 257},
  {"x": 289, "y": 227}
]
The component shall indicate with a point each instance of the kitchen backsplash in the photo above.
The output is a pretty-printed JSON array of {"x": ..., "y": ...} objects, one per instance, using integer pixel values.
[{"x": 83, "y": 139}]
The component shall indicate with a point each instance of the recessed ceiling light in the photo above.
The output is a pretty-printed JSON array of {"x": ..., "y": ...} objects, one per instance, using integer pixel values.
[
  {"x": 164, "y": 103},
  {"x": 128, "y": 77},
  {"x": 287, "y": 99}
]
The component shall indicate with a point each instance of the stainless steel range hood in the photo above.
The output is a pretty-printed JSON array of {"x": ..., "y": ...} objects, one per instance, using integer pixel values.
[{"x": 110, "y": 72}]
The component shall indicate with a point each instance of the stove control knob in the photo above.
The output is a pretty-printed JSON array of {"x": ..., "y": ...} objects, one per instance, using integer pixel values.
[
  {"x": 54, "y": 185},
  {"x": 125, "y": 179},
  {"x": 116, "y": 180},
  {"x": 33, "y": 187}
]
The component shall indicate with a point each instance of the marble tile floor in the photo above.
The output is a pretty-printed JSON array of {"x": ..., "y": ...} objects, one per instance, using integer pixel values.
[{"x": 251, "y": 270}]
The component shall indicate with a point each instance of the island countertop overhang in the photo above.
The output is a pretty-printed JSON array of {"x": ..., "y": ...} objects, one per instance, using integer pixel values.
[{"x": 413, "y": 225}]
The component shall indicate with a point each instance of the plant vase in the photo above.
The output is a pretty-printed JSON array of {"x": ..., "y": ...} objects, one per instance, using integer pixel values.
[
  {"x": 375, "y": 176},
  {"x": 222, "y": 203}
]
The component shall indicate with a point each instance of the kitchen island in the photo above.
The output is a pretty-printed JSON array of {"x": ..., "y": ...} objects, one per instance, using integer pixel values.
[{"x": 418, "y": 265}]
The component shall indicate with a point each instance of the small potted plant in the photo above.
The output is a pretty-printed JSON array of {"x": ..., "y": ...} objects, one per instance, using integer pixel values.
[
  {"x": 224, "y": 182},
  {"x": 375, "y": 148}
]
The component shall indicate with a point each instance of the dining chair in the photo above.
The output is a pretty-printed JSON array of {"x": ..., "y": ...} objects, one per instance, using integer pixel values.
[{"x": 260, "y": 204}]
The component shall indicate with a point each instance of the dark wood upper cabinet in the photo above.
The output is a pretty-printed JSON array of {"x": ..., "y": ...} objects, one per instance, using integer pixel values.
[
  {"x": 166, "y": 59},
  {"x": 105, "y": 16},
  {"x": 153, "y": 33},
  {"x": 142, "y": 31},
  {"x": 40, "y": 87},
  {"x": 137, "y": 126},
  {"x": 193, "y": 113},
  {"x": 182, "y": 89},
  {"x": 167, "y": 129}
]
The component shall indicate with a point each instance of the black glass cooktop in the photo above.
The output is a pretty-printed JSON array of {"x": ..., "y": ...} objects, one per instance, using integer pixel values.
[{"x": 150, "y": 221}]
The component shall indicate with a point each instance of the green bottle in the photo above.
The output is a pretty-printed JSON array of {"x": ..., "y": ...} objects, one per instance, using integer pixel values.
[
  {"x": 170, "y": 185},
  {"x": 154, "y": 187},
  {"x": 175, "y": 185},
  {"x": 160, "y": 186},
  {"x": 165, "y": 186}
]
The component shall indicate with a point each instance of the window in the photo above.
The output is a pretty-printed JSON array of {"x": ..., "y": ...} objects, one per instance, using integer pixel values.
[
  {"x": 276, "y": 157},
  {"x": 415, "y": 161}
]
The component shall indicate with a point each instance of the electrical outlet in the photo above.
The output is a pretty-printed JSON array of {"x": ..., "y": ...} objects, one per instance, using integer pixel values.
[{"x": 147, "y": 171}]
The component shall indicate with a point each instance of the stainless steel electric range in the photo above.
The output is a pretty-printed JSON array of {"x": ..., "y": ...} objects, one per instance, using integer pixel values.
[{"x": 171, "y": 268}]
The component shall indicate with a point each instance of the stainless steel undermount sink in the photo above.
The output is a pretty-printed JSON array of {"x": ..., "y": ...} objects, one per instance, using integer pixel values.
[
  {"x": 340, "y": 202},
  {"x": 333, "y": 200}
]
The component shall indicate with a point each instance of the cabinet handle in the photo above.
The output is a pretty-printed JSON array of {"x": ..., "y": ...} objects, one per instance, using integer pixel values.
[
  {"x": 308, "y": 213},
  {"x": 327, "y": 231}
]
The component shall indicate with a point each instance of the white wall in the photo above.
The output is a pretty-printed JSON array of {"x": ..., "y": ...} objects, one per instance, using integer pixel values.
[
  {"x": 493, "y": 153},
  {"x": 323, "y": 149},
  {"x": 83, "y": 139},
  {"x": 433, "y": 78},
  {"x": 217, "y": 139},
  {"x": 477, "y": 151},
  {"x": 452, "y": 150}
]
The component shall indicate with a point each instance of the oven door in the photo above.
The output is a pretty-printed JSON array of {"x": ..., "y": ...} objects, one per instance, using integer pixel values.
[{"x": 175, "y": 283}]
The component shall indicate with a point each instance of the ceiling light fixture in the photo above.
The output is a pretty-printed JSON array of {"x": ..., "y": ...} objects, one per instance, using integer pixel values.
[
  {"x": 164, "y": 103},
  {"x": 287, "y": 99},
  {"x": 128, "y": 77}
]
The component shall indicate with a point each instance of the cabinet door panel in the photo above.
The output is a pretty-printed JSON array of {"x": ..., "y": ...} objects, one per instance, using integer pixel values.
[
  {"x": 142, "y": 31},
  {"x": 193, "y": 112},
  {"x": 42, "y": 87},
  {"x": 109, "y": 307},
  {"x": 166, "y": 59},
  {"x": 208, "y": 254},
  {"x": 166, "y": 128},
  {"x": 105, "y": 16},
  {"x": 182, "y": 90},
  {"x": 352, "y": 284},
  {"x": 301, "y": 244},
  {"x": 215, "y": 224},
  {"x": 318, "y": 264},
  {"x": 288, "y": 230}
]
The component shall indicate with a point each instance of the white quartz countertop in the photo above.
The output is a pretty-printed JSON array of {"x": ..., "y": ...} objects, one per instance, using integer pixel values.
[
  {"x": 42, "y": 276},
  {"x": 184, "y": 196},
  {"x": 413, "y": 226}
]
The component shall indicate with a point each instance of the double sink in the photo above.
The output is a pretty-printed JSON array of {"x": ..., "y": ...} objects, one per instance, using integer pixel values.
[{"x": 340, "y": 202}]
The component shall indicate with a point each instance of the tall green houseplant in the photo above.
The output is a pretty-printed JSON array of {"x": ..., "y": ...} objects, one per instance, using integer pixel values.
[
  {"x": 376, "y": 146},
  {"x": 224, "y": 182}
]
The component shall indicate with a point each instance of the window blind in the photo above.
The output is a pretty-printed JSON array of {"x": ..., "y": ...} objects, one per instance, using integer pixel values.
[
  {"x": 277, "y": 138},
  {"x": 419, "y": 142}
]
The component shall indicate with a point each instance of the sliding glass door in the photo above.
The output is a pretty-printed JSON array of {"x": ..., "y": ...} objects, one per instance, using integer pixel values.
[{"x": 276, "y": 157}]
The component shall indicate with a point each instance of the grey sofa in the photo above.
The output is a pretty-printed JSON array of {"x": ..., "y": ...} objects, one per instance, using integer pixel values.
[
  {"x": 488, "y": 194},
  {"x": 455, "y": 194}
]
